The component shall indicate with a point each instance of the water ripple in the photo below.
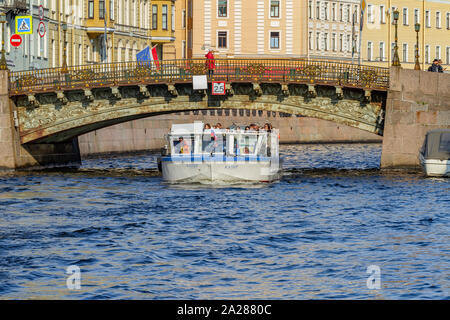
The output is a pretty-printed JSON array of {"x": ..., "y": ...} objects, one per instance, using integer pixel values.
[{"x": 310, "y": 236}]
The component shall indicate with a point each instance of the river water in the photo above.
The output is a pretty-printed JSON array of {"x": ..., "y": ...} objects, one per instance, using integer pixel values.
[{"x": 329, "y": 225}]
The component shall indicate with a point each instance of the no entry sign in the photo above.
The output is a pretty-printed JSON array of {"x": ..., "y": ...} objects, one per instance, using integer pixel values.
[{"x": 16, "y": 40}]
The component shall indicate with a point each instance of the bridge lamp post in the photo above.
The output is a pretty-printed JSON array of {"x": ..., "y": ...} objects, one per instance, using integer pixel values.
[
  {"x": 396, "y": 59},
  {"x": 64, "y": 66},
  {"x": 417, "y": 29},
  {"x": 3, "y": 64}
]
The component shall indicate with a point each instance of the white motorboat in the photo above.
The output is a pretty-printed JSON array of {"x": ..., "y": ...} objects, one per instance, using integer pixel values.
[
  {"x": 197, "y": 155},
  {"x": 434, "y": 155}
]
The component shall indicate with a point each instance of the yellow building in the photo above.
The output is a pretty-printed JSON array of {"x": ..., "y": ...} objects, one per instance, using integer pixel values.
[
  {"x": 248, "y": 28},
  {"x": 378, "y": 36},
  {"x": 129, "y": 25}
]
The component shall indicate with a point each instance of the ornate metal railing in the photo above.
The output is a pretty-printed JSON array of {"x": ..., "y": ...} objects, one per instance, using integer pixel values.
[{"x": 302, "y": 71}]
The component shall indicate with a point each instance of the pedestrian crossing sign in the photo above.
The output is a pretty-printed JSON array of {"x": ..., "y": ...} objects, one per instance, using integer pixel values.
[{"x": 24, "y": 25}]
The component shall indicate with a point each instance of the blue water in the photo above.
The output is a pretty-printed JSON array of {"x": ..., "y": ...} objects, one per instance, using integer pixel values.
[{"x": 310, "y": 236}]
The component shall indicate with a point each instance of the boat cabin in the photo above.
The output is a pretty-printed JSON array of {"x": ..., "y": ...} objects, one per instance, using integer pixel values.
[{"x": 193, "y": 139}]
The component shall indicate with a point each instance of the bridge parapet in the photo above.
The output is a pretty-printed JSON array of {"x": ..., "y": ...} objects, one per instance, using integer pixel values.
[{"x": 284, "y": 71}]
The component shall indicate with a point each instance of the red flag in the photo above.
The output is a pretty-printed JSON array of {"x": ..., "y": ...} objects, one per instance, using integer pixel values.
[{"x": 154, "y": 56}]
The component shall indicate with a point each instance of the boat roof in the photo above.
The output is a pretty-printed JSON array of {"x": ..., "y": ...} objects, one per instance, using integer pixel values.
[
  {"x": 437, "y": 144},
  {"x": 440, "y": 130}
]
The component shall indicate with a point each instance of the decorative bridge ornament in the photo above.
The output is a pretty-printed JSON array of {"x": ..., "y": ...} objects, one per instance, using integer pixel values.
[{"x": 181, "y": 71}]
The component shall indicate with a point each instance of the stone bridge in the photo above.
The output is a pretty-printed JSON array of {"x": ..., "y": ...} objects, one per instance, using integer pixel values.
[{"x": 48, "y": 109}]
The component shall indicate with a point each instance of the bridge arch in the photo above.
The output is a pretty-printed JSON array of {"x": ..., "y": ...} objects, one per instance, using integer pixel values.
[{"x": 56, "y": 120}]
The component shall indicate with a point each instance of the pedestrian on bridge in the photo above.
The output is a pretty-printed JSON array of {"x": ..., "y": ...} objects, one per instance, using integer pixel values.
[
  {"x": 210, "y": 63},
  {"x": 436, "y": 67}
]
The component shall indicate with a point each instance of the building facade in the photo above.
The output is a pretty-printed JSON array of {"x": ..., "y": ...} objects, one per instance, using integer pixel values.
[
  {"x": 333, "y": 29},
  {"x": 378, "y": 36},
  {"x": 92, "y": 31},
  {"x": 249, "y": 28},
  {"x": 33, "y": 52},
  {"x": 95, "y": 31}
]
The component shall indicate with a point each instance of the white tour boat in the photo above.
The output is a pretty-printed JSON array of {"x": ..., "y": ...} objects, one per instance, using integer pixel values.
[
  {"x": 434, "y": 155},
  {"x": 194, "y": 154}
]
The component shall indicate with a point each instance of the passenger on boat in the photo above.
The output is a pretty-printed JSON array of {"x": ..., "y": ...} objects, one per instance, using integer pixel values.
[
  {"x": 207, "y": 126},
  {"x": 268, "y": 127},
  {"x": 218, "y": 126},
  {"x": 182, "y": 146}
]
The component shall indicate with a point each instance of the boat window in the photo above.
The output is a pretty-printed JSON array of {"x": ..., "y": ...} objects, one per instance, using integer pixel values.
[
  {"x": 246, "y": 144},
  {"x": 213, "y": 141},
  {"x": 182, "y": 144},
  {"x": 444, "y": 143}
]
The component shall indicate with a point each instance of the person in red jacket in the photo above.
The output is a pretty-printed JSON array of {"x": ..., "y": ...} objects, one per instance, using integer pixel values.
[{"x": 210, "y": 64}]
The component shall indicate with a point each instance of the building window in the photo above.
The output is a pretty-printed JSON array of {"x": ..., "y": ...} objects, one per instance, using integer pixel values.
[
  {"x": 356, "y": 14},
  {"x": 341, "y": 42},
  {"x": 318, "y": 41},
  {"x": 382, "y": 51},
  {"x": 164, "y": 17},
  {"x": 310, "y": 9},
  {"x": 427, "y": 53},
  {"x": 405, "y": 16},
  {"x": 369, "y": 51},
  {"x": 341, "y": 12},
  {"x": 333, "y": 41},
  {"x": 112, "y": 10},
  {"x": 222, "y": 8},
  {"x": 172, "y": 20},
  {"x": 405, "y": 52},
  {"x": 438, "y": 52},
  {"x": 101, "y": 9},
  {"x": 416, "y": 16},
  {"x": 369, "y": 13},
  {"x": 275, "y": 40},
  {"x": 183, "y": 49},
  {"x": 325, "y": 41},
  {"x": 222, "y": 39},
  {"x": 349, "y": 43},
  {"x": 427, "y": 19},
  {"x": 274, "y": 9},
  {"x": 448, "y": 20},
  {"x": 438, "y": 20},
  {"x": 325, "y": 11},
  {"x": 382, "y": 15},
  {"x": 333, "y": 11},
  {"x": 310, "y": 40},
  {"x": 183, "y": 19},
  {"x": 154, "y": 17},
  {"x": 348, "y": 13},
  {"x": 318, "y": 10},
  {"x": 91, "y": 9}
]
